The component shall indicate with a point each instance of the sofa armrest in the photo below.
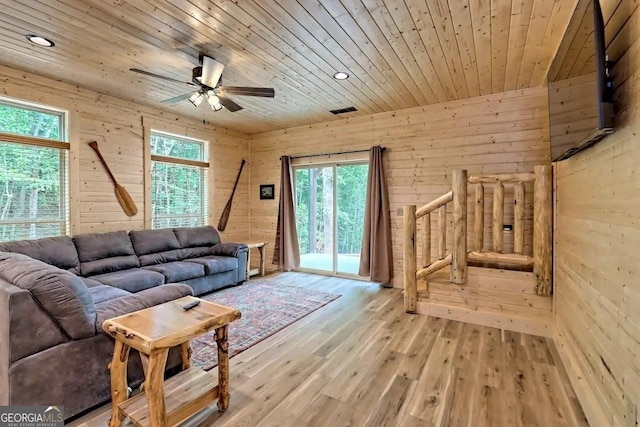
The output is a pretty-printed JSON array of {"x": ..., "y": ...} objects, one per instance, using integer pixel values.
[
  {"x": 236, "y": 250},
  {"x": 229, "y": 249},
  {"x": 144, "y": 299}
]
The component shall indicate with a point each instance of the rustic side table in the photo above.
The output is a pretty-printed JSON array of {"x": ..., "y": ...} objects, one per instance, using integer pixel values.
[
  {"x": 153, "y": 331},
  {"x": 260, "y": 246}
]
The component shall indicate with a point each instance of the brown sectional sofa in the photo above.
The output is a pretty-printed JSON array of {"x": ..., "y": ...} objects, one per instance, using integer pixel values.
[{"x": 56, "y": 292}]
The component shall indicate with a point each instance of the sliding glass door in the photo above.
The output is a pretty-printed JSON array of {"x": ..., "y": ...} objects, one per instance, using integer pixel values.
[
  {"x": 330, "y": 201},
  {"x": 351, "y": 193},
  {"x": 314, "y": 217}
]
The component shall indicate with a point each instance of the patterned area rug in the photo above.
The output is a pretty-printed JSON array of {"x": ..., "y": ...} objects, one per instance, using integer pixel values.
[{"x": 266, "y": 308}]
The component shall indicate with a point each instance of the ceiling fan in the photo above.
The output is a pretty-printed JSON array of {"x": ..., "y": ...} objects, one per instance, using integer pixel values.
[{"x": 207, "y": 78}]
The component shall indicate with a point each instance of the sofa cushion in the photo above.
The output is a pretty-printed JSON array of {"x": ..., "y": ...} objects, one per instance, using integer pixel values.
[
  {"x": 59, "y": 293},
  {"x": 144, "y": 299},
  {"x": 216, "y": 264},
  {"x": 102, "y": 293},
  {"x": 178, "y": 271},
  {"x": 58, "y": 251},
  {"x": 109, "y": 265},
  {"x": 132, "y": 280},
  {"x": 229, "y": 249},
  {"x": 191, "y": 237},
  {"x": 90, "y": 283},
  {"x": 161, "y": 257},
  {"x": 187, "y": 253},
  {"x": 153, "y": 241},
  {"x": 156, "y": 246},
  {"x": 101, "y": 253}
]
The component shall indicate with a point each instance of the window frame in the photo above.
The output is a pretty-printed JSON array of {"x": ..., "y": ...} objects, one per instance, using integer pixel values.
[
  {"x": 62, "y": 144},
  {"x": 204, "y": 166}
]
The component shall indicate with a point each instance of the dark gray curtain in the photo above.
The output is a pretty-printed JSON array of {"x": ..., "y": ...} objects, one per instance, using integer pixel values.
[
  {"x": 376, "y": 259},
  {"x": 286, "y": 253}
]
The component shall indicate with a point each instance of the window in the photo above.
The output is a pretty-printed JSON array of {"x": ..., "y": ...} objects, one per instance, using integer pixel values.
[
  {"x": 179, "y": 177},
  {"x": 33, "y": 172}
]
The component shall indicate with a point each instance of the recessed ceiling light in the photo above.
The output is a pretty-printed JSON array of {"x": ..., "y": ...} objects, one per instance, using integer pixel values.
[
  {"x": 341, "y": 75},
  {"x": 39, "y": 40}
]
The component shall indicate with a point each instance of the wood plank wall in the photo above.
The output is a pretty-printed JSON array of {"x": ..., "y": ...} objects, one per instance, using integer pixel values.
[
  {"x": 117, "y": 126},
  {"x": 597, "y": 261},
  {"x": 500, "y": 133},
  {"x": 497, "y": 298}
]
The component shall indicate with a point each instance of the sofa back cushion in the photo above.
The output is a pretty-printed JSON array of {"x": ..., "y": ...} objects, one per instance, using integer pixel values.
[
  {"x": 61, "y": 294},
  {"x": 101, "y": 253},
  {"x": 155, "y": 246},
  {"x": 196, "y": 241},
  {"x": 57, "y": 251},
  {"x": 193, "y": 237}
]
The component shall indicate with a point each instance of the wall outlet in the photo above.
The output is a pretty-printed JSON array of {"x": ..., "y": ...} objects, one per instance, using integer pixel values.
[
  {"x": 507, "y": 227},
  {"x": 399, "y": 212}
]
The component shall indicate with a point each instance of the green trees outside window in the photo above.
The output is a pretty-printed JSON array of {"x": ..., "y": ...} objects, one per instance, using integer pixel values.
[
  {"x": 321, "y": 191},
  {"x": 32, "y": 178},
  {"x": 178, "y": 190}
]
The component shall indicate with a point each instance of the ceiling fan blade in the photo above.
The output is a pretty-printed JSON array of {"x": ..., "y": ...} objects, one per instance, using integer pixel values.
[
  {"x": 211, "y": 71},
  {"x": 158, "y": 76},
  {"x": 178, "y": 98},
  {"x": 266, "y": 92},
  {"x": 229, "y": 104}
]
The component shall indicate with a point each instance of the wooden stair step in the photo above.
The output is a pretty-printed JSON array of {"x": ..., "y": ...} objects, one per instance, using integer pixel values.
[
  {"x": 490, "y": 297},
  {"x": 535, "y": 325},
  {"x": 518, "y": 308}
]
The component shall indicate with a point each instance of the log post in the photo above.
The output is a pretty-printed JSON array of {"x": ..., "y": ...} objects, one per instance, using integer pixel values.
[
  {"x": 542, "y": 230},
  {"x": 442, "y": 231},
  {"x": 518, "y": 219},
  {"x": 154, "y": 388},
  {"x": 222, "y": 341},
  {"x": 459, "y": 243},
  {"x": 409, "y": 260},
  {"x": 185, "y": 354},
  {"x": 118, "y": 368},
  {"x": 478, "y": 218},
  {"x": 426, "y": 245},
  {"x": 498, "y": 216}
]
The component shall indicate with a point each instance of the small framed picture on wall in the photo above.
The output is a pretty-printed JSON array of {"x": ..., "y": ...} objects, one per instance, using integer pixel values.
[{"x": 267, "y": 191}]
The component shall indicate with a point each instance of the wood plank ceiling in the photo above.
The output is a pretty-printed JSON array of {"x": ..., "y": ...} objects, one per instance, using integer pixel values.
[{"x": 399, "y": 53}]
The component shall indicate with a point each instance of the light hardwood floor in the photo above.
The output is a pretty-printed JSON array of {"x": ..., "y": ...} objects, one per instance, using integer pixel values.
[{"x": 361, "y": 360}]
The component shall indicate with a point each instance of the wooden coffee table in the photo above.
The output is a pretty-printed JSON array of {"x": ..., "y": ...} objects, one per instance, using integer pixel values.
[{"x": 153, "y": 331}]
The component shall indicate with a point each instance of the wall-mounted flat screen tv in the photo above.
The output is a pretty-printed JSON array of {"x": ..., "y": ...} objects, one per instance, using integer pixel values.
[{"x": 580, "y": 88}]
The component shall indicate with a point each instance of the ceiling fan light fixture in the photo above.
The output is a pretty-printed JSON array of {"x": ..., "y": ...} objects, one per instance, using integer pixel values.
[
  {"x": 207, "y": 80},
  {"x": 341, "y": 75},
  {"x": 196, "y": 99},
  {"x": 39, "y": 40},
  {"x": 212, "y": 99}
]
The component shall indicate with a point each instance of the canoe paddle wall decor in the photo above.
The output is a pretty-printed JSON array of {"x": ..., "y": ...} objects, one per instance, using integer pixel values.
[
  {"x": 123, "y": 196},
  {"x": 224, "y": 218}
]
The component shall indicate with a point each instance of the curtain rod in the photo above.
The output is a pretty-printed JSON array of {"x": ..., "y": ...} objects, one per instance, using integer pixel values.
[{"x": 333, "y": 154}]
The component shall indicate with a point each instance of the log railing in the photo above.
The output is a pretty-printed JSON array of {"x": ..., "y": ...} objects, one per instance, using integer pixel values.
[
  {"x": 496, "y": 255},
  {"x": 459, "y": 257}
]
